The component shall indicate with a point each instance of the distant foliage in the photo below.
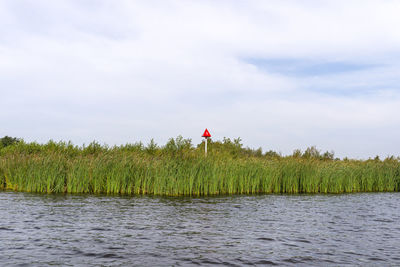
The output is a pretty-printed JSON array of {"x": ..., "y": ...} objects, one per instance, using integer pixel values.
[
  {"x": 178, "y": 145},
  {"x": 8, "y": 141},
  {"x": 152, "y": 147},
  {"x": 313, "y": 153}
]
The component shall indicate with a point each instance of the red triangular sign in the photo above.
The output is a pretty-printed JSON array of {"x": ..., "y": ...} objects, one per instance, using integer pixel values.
[{"x": 206, "y": 134}]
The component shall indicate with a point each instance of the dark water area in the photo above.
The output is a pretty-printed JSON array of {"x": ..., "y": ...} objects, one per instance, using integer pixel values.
[{"x": 290, "y": 230}]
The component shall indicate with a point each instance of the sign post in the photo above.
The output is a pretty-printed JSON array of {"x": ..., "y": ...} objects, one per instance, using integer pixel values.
[{"x": 206, "y": 135}]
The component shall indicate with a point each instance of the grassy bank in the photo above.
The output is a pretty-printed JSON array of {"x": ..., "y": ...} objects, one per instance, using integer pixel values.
[{"x": 178, "y": 168}]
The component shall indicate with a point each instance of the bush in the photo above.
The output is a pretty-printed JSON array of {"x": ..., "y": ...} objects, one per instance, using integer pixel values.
[{"x": 8, "y": 141}]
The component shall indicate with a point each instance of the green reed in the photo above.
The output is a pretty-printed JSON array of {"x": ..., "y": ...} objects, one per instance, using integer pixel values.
[{"x": 181, "y": 169}]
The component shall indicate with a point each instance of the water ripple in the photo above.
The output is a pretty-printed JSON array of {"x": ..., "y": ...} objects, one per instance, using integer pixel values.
[{"x": 305, "y": 230}]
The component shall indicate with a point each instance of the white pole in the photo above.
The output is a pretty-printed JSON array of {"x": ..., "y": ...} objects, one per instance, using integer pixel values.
[{"x": 206, "y": 147}]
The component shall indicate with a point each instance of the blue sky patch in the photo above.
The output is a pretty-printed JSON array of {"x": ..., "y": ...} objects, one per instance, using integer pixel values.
[{"x": 305, "y": 67}]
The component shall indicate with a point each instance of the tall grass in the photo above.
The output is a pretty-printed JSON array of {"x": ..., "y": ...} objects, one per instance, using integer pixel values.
[{"x": 178, "y": 168}]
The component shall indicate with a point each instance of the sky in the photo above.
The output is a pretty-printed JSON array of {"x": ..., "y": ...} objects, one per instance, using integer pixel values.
[{"x": 281, "y": 75}]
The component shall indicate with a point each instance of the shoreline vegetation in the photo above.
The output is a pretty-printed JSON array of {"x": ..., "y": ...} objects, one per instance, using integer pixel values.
[{"x": 180, "y": 169}]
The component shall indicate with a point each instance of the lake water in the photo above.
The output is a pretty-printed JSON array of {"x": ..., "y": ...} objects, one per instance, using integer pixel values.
[{"x": 300, "y": 230}]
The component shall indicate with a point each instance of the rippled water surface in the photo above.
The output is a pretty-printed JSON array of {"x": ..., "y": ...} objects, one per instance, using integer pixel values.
[{"x": 84, "y": 230}]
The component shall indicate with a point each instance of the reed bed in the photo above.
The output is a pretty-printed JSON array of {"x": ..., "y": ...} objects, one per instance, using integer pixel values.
[{"x": 178, "y": 168}]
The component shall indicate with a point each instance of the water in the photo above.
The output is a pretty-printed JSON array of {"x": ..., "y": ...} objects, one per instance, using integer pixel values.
[{"x": 301, "y": 230}]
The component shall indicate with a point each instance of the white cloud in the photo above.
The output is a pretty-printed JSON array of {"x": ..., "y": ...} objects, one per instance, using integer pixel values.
[{"x": 131, "y": 70}]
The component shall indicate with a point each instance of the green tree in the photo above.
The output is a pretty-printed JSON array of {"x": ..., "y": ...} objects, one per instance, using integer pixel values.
[{"x": 8, "y": 141}]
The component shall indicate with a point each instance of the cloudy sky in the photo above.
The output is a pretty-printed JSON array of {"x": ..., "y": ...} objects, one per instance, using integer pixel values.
[{"x": 279, "y": 74}]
